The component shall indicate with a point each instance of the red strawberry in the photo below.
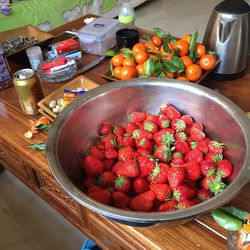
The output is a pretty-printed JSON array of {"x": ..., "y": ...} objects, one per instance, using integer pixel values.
[
  {"x": 183, "y": 193},
  {"x": 193, "y": 170},
  {"x": 89, "y": 181},
  {"x": 119, "y": 141},
  {"x": 182, "y": 146},
  {"x": 197, "y": 125},
  {"x": 117, "y": 166},
  {"x": 196, "y": 134},
  {"x": 125, "y": 154},
  {"x": 130, "y": 127},
  {"x": 106, "y": 129},
  {"x": 202, "y": 146},
  {"x": 178, "y": 125},
  {"x": 159, "y": 174},
  {"x": 128, "y": 141},
  {"x": 204, "y": 195},
  {"x": 120, "y": 199},
  {"x": 176, "y": 176},
  {"x": 138, "y": 116},
  {"x": 162, "y": 191},
  {"x": 177, "y": 159},
  {"x": 194, "y": 155},
  {"x": 140, "y": 185},
  {"x": 213, "y": 183},
  {"x": 168, "y": 206},
  {"x": 146, "y": 165},
  {"x": 93, "y": 189},
  {"x": 164, "y": 106},
  {"x": 207, "y": 168},
  {"x": 143, "y": 202},
  {"x": 187, "y": 119},
  {"x": 215, "y": 146},
  {"x": 111, "y": 144},
  {"x": 100, "y": 146},
  {"x": 129, "y": 169},
  {"x": 108, "y": 164},
  {"x": 224, "y": 168},
  {"x": 180, "y": 136},
  {"x": 185, "y": 204},
  {"x": 152, "y": 118},
  {"x": 173, "y": 113},
  {"x": 122, "y": 184},
  {"x": 103, "y": 196},
  {"x": 163, "y": 153},
  {"x": 111, "y": 153},
  {"x": 108, "y": 138},
  {"x": 195, "y": 201},
  {"x": 92, "y": 166},
  {"x": 97, "y": 153},
  {"x": 141, "y": 134},
  {"x": 108, "y": 179},
  {"x": 142, "y": 151},
  {"x": 118, "y": 130},
  {"x": 213, "y": 157},
  {"x": 150, "y": 127},
  {"x": 163, "y": 121},
  {"x": 164, "y": 137},
  {"x": 144, "y": 143}
]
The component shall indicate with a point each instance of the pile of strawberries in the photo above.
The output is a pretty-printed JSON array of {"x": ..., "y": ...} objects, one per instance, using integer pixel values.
[{"x": 157, "y": 162}]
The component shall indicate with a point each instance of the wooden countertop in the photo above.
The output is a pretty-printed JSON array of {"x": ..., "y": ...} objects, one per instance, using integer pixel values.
[{"x": 202, "y": 233}]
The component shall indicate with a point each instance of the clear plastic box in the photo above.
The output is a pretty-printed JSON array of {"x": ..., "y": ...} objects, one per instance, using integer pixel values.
[{"x": 99, "y": 35}]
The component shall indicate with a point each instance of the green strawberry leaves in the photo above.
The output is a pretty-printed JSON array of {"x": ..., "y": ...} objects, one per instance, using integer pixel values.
[{"x": 38, "y": 146}]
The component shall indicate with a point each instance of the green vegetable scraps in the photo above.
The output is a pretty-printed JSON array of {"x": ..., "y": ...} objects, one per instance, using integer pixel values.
[{"x": 38, "y": 146}]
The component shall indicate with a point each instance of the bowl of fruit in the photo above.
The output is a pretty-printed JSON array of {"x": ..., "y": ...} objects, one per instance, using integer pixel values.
[{"x": 146, "y": 151}]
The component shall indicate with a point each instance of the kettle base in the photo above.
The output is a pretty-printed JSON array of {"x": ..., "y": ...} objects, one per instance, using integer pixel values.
[{"x": 228, "y": 77}]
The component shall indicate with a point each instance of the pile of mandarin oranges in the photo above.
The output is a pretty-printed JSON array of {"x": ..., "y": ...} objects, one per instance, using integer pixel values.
[{"x": 163, "y": 56}]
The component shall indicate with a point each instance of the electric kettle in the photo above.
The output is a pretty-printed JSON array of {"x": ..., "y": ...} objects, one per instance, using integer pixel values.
[{"x": 228, "y": 34}]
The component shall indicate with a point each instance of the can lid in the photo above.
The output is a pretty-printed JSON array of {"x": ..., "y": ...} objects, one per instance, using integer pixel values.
[{"x": 24, "y": 74}]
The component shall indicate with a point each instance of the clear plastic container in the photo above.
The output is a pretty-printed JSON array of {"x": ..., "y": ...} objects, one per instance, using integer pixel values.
[{"x": 99, "y": 35}]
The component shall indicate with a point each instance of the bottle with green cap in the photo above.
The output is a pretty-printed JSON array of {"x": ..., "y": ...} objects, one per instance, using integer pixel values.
[{"x": 127, "y": 16}]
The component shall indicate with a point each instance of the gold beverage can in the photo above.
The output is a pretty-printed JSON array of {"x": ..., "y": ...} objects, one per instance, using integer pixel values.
[{"x": 28, "y": 89}]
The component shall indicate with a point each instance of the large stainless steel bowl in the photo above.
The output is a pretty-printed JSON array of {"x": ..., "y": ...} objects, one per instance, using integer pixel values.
[{"x": 77, "y": 125}]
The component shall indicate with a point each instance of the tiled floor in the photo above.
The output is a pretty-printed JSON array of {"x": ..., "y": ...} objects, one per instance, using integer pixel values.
[{"x": 28, "y": 223}]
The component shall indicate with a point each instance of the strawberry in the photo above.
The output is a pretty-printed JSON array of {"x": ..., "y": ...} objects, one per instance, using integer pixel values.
[
  {"x": 196, "y": 134},
  {"x": 143, "y": 202},
  {"x": 163, "y": 121},
  {"x": 106, "y": 129},
  {"x": 213, "y": 183},
  {"x": 204, "y": 195},
  {"x": 207, "y": 168},
  {"x": 125, "y": 154},
  {"x": 128, "y": 141},
  {"x": 122, "y": 184},
  {"x": 118, "y": 165},
  {"x": 177, "y": 159},
  {"x": 152, "y": 118},
  {"x": 144, "y": 143},
  {"x": 194, "y": 155},
  {"x": 162, "y": 191},
  {"x": 168, "y": 206},
  {"x": 197, "y": 125},
  {"x": 163, "y": 108},
  {"x": 164, "y": 137},
  {"x": 108, "y": 138},
  {"x": 182, "y": 146},
  {"x": 150, "y": 127},
  {"x": 203, "y": 146},
  {"x": 120, "y": 199},
  {"x": 172, "y": 113},
  {"x": 111, "y": 144},
  {"x": 215, "y": 146},
  {"x": 142, "y": 151},
  {"x": 93, "y": 188},
  {"x": 119, "y": 141},
  {"x": 92, "y": 166},
  {"x": 118, "y": 130},
  {"x": 178, "y": 125},
  {"x": 89, "y": 181},
  {"x": 130, "y": 127},
  {"x": 163, "y": 153},
  {"x": 180, "y": 136},
  {"x": 141, "y": 134},
  {"x": 159, "y": 173},
  {"x": 146, "y": 165},
  {"x": 187, "y": 119},
  {"x": 213, "y": 157},
  {"x": 108, "y": 164},
  {"x": 140, "y": 185},
  {"x": 100, "y": 146},
  {"x": 129, "y": 169},
  {"x": 137, "y": 117},
  {"x": 97, "y": 153},
  {"x": 193, "y": 170},
  {"x": 103, "y": 196},
  {"x": 108, "y": 179},
  {"x": 176, "y": 176},
  {"x": 183, "y": 193},
  {"x": 195, "y": 201},
  {"x": 185, "y": 204},
  {"x": 111, "y": 153},
  {"x": 224, "y": 168}
]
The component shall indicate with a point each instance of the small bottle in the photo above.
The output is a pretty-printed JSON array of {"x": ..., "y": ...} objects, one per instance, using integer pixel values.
[{"x": 127, "y": 16}]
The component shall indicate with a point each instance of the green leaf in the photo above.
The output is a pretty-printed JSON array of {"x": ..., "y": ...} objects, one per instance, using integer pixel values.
[
  {"x": 171, "y": 38},
  {"x": 38, "y": 146},
  {"x": 158, "y": 55},
  {"x": 150, "y": 67},
  {"x": 165, "y": 46},
  {"x": 147, "y": 37},
  {"x": 226, "y": 221},
  {"x": 192, "y": 44},
  {"x": 158, "y": 68},
  {"x": 211, "y": 52},
  {"x": 162, "y": 75},
  {"x": 111, "y": 68},
  {"x": 109, "y": 52},
  {"x": 175, "y": 65},
  {"x": 127, "y": 53},
  {"x": 159, "y": 32},
  {"x": 43, "y": 126},
  {"x": 236, "y": 212}
]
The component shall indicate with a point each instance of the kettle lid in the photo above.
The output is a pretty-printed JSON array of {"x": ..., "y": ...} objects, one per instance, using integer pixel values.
[{"x": 233, "y": 7}]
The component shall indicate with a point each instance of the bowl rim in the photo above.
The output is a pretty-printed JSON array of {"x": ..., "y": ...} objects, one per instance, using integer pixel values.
[{"x": 148, "y": 217}]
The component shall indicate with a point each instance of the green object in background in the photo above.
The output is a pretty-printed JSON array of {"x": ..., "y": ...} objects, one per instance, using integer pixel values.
[{"x": 126, "y": 19}]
